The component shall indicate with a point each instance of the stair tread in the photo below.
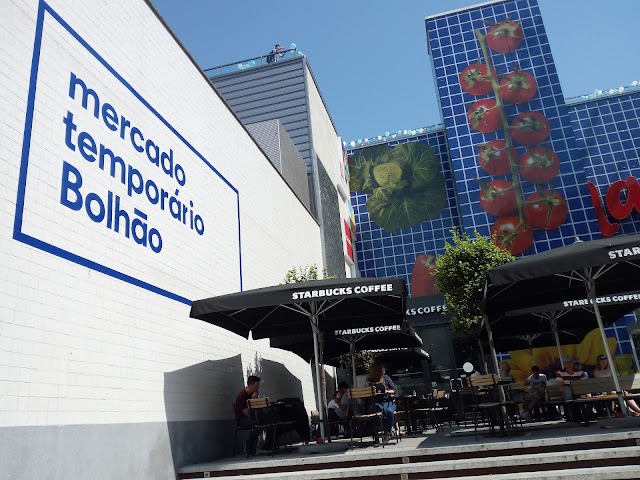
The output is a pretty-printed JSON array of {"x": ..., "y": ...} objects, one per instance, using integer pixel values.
[
  {"x": 526, "y": 461},
  {"x": 595, "y": 473},
  {"x": 359, "y": 456}
]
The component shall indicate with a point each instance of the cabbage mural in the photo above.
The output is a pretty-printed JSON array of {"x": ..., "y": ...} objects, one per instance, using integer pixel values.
[{"x": 404, "y": 182}]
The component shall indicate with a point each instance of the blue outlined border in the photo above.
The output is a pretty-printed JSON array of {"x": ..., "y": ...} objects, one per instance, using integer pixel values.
[{"x": 18, "y": 235}]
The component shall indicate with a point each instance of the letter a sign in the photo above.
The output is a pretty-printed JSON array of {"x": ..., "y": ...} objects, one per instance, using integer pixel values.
[{"x": 621, "y": 199}]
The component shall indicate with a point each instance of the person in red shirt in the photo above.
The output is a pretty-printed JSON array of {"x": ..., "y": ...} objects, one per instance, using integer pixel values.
[
  {"x": 567, "y": 375},
  {"x": 241, "y": 410}
]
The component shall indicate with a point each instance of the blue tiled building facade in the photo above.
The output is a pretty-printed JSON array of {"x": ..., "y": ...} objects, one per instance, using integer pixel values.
[{"x": 597, "y": 140}]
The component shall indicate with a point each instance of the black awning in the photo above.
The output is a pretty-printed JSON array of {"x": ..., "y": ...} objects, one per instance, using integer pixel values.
[{"x": 284, "y": 310}]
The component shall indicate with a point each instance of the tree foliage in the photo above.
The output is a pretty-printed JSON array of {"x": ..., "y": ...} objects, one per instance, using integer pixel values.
[
  {"x": 363, "y": 360},
  {"x": 305, "y": 274},
  {"x": 461, "y": 274}
]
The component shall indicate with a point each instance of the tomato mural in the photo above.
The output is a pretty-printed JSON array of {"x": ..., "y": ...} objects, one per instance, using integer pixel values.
[
  {"x": 493, "y": 157},
  {"x": 475, "y": 79},
  {"x": 423, "y": 282},
  {"x": 505, "y": 36},
  {"x": 498, "y": 197},
  {"x": 521, "y": 154}
]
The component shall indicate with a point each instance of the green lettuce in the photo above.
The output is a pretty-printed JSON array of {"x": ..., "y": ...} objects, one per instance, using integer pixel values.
[{"x": 405, "y": 184}]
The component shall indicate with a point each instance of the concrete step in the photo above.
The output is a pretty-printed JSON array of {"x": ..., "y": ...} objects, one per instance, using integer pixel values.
[
  {"x": 597, "y": 473},
  {"x": 573, "y": 448},
  {"x": 503, "y": 465}
]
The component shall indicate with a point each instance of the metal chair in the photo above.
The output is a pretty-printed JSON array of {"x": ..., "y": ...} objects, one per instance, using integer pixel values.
[
  {"x": 367, "y": 395},
  {"x": 483, "y": 402},
  {"x": 265, "y": 418},
  {"x": 246, "y": 428}
]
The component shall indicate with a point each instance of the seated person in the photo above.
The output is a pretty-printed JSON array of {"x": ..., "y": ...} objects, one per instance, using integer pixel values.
[
  {"x": 577, "y": 366},
  {"x": 505, "y": 372},
  {"x": 339, "y": 405},
  {"x": 241, "y": 410},
  {"x": 567, "y": 375},
  {"x": 384, "y": 401},
  {"x": 602, "y": 370},
  {"x": 537, "y": 384}
]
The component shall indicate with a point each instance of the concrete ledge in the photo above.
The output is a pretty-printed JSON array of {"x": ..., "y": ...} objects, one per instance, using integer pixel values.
[
  {"x": 598, "y": 473},
  {"x": 399, "y": 454},
  {"x": 538, "y": 463}
]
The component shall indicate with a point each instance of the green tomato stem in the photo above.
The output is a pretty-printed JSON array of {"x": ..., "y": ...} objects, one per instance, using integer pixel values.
[{"x": 505, "y": 125}]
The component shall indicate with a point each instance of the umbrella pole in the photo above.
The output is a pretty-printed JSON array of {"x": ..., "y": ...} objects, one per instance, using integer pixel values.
[
  {"x": 483, "y": 360},
  {"x": 533, "y": 359},
  {"x": 635, "y": 355},
  {"x": 554, "y": 329},
  {"x": 316, "y": 353},
  {"x": 501, "y": 394},
  {"x": 492, "y": 348},
  {"x": 352, "y": 352},
  {"x": 612, "y": 364}
]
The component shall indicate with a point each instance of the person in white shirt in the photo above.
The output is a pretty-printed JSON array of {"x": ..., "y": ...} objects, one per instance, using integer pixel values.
[
  {"x": 537, "y": 386},
  {"x": 339, "y": 404}
]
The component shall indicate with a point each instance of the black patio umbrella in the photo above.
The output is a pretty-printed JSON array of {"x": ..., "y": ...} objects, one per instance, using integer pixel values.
[
  {"x": 565, "y": 274},
  {"x": 341, "y": 341},
  {"x": 573, "y": 316},
  {"x": 307, "y": 308}
]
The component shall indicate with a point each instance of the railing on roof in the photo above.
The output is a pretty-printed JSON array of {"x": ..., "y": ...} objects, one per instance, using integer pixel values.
[{"x": 254, "y": 62}]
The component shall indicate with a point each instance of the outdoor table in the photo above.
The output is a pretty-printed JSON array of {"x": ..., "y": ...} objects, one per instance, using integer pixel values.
[
  {"x": 408, "y": 401},
  {"x": 507, "y": 388}
]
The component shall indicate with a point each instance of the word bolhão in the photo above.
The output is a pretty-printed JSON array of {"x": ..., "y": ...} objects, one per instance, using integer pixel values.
[{"x": 109, "y": 211}]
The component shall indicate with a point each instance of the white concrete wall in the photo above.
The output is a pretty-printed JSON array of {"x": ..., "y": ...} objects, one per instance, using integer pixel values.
[
  {"x": 326, "y": 141},
  {"x": 92, "y": 324},
  {"x": 328, "y": 146}
]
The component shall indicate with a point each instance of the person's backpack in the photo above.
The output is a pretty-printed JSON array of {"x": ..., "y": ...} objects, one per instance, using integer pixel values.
[{"x": 271, "y": 58}]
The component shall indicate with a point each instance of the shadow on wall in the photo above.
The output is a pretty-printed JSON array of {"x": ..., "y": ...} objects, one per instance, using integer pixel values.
[
  {"x": 277, "y": 381},
  {"x": 198, "y": 402}
]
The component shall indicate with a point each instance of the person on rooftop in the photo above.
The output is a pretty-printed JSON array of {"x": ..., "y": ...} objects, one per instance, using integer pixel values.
[{"x": 277, "y": 51}]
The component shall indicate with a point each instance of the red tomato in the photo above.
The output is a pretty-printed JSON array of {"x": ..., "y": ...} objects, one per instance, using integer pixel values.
[
  {"x": 546, "y": 210},
  {"x": 539, "y": 165},
  {"x": 518, "y": 87},
  {"x": 484, "y": 116},
  {"x": 505, "y": 37},
  {"x": 423, "y": 282},
  {"x": 475, "y": 79},
  {"x": 494, "y": 157},
  {"x": 530, "y": 128},
  {"x": 507, "y": 233},
  {"x": 498, "y": 197}
]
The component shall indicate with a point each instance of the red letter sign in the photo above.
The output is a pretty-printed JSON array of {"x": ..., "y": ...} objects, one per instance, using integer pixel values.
[{"x": 607, "y": 229}]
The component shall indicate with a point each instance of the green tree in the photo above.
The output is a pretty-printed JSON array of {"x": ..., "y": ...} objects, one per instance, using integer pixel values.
[
  {"x": 363, "y": 360},
  {"x": 306, "y": 273},
  {"x": 460, "y": 276}
]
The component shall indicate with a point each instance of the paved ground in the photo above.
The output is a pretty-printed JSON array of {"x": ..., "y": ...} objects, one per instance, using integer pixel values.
[{"x": 452, "y": 438}]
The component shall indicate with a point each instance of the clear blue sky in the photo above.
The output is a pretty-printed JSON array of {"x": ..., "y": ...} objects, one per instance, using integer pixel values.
[{"x": 370, "y": 57}]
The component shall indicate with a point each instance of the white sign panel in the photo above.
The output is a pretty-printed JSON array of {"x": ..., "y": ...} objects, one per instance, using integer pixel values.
[{"x": 110, "y": 183}]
